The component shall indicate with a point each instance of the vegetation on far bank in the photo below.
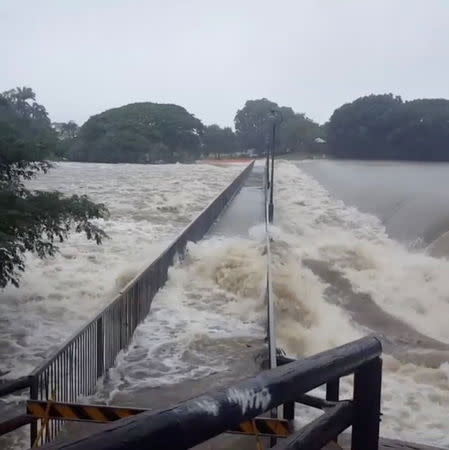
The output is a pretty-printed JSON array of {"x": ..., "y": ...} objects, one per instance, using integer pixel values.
[
  {"x": 157, "y": 133},
  {"x": 386, "y": 127},
  {"x": 371, "y": 127}
]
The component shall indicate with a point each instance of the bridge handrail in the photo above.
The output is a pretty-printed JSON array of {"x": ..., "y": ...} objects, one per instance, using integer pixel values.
[
  {"x": 11, "y": 386},
  {"x": 201, "y": 418}
]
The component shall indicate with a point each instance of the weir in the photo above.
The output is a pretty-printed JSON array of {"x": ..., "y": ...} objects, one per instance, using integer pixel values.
[{"x": 261, "y": 406}]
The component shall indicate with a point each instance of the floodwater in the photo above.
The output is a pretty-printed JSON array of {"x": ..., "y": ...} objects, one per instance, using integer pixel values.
[
  {"x": 149, "y": 205},
  {"x": 338, "y": 274},
  {"x": 343, "y": 267},
  {"x": 343, "y": 273}
]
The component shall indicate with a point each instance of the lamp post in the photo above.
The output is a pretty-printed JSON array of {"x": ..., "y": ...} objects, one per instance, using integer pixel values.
[{"x": 276, "y": 117}]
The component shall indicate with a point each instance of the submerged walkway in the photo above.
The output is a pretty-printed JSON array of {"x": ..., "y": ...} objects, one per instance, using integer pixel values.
[{"x": 246, "y": 209}]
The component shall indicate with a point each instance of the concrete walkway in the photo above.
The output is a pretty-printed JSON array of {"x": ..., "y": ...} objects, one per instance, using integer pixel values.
[{"x": 245, "y": 210}]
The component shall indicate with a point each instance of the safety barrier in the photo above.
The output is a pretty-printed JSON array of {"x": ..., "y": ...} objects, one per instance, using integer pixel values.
[
  {"x": 201, "y": 418},
  {"x": 74, "y": 369},
  {"x": 50, "y": 410},
  {"x": 269, "y": 217}
]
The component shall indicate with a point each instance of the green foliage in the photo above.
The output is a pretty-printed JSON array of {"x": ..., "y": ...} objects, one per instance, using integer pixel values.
[
  {"x": 139, "y": 133},
  {"x": 66, "y": 132},
  {"x": 219, "y": 141},
  {"x": 31, "y": 220},
  {"x": 253, "y": 124},
  {"x": 385, "y": 127},
  {"x": 298, "y": 133}
]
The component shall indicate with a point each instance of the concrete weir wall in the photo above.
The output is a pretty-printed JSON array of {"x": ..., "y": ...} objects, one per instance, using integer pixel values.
[{"x": 73, "y": 370}]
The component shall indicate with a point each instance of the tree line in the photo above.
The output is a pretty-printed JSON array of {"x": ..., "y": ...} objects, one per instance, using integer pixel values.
[
  {"x": 155, "y": 133},
  {"x": 386, "y": 127},
  {"x": 371, "y": 127}
]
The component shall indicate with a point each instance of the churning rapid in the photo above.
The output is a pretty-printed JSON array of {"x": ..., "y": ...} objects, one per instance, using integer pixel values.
[
  {"x": 344, "y": 277},
  {"x": 337, "y": 275}
]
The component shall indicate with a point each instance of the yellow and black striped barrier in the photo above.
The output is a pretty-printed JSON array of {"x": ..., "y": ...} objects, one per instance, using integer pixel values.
[
  {"x": 261, "y": 426},
  {"x": 78, "y": 412}
]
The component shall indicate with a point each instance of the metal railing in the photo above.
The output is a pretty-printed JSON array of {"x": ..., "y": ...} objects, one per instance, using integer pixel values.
[
  {"x": 199, "y": 419},
  {"x": 269, "y": 216},
  {"x": 74, "y": 369}
]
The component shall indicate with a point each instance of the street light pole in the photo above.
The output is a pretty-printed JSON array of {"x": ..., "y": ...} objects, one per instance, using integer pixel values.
[{"x": 273, "y": 146}]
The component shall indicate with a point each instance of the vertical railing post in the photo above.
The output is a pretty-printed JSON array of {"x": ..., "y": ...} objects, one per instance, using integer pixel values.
[
  {"x": 271, "y": 204},
  {"x": 367, "y": 390},
  {"x": 121, "y": 322},
  {"x": 333, "y": 390},
  {"x": 333, "y": 394},
  {"x": 100, "y": 347},
  {"x": 33, "y": 396},
  {"x": 289, "y": 411},
  {"x": 267, "y": 170}
]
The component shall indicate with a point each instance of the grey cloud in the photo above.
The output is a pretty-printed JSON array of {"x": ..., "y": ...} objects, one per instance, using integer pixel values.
[{"x": 210, "y": 56}]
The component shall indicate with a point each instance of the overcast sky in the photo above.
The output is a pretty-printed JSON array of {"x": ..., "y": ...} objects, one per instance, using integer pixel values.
[{"x": 84, "y": 56}]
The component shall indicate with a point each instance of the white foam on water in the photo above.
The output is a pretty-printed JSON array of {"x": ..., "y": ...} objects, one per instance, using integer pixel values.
[
  {"x": 409, "y": 285},
  {"x": 214, "y": 294},
  {"x": 149, "y": 205}
]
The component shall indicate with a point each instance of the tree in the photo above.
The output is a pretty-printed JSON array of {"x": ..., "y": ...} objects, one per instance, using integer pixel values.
[
  {"x": 33, "y": 221},
  {"x": 217, "y": 140},
  {"x": 361, "y": 127},
  {"x": 385, "y": 127},
  {"x": 421, "y": 130},
  {"x": 253, "y": 124},
  {"x": 139, "y": 133},
  {"x": 66, "y": 130},
  {"x": 298, "y": 133}
]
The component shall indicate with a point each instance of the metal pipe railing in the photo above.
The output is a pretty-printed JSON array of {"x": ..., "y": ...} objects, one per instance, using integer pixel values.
[
  {"x": 201, "y": 418},
  {"x": 15, "y": 422},
  {"x": 9, "y": 387}
]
